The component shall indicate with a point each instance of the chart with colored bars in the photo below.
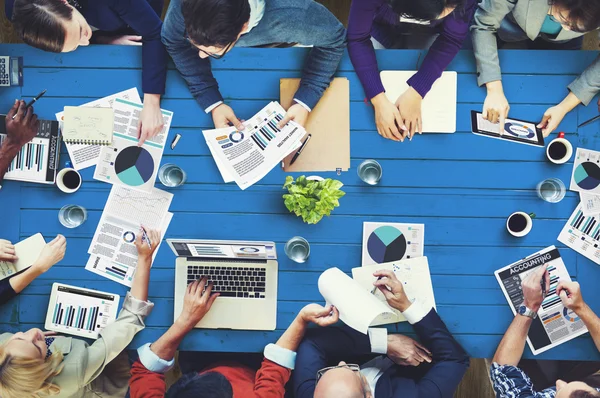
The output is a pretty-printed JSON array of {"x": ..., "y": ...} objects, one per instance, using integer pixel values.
[
  {"x": 551, "y": 297},
  {"x": 387, "y": 242},
  {"x": 267, "y": 131},
  {"x": 81, "y": 311},
  {"x": 586, "y": 172},
  {"x": 582, "y": 234}
]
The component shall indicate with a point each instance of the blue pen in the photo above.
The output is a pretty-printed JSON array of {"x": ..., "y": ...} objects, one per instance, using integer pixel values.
[{"x": 146, "y": 237}]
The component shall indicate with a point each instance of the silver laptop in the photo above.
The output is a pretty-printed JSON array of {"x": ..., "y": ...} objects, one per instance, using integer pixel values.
[{"x": 243, "y": 272}]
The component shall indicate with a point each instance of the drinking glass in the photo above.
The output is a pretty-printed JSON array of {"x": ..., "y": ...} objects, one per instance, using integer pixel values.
[
  {"x": 72, "y": 216},
  {"x": 171, "y": 175},
  {"x": 551, "y": 190},
  {"x": 370, "y": 172},
  {"x": 297, "y": 249}
]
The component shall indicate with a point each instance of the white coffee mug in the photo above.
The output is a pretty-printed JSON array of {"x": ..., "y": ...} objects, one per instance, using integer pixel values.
[
  {"x": 521, "y": 225},
  {"x": 66, "y": 188},
  {"x": 561, "y": 139}
]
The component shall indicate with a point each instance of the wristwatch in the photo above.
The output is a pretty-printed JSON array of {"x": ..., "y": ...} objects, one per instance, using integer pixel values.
[{"x": 523, "y": 310}]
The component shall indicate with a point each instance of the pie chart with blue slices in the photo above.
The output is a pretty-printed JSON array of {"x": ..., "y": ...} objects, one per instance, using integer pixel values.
[
  {"x": 385, "y": 244},
  {"x": 587, "y": 175},
  {"x": 134, "y": 166}
]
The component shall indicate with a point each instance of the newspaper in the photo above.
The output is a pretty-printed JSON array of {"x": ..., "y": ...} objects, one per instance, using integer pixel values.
[{"x": 555, "y": 324}]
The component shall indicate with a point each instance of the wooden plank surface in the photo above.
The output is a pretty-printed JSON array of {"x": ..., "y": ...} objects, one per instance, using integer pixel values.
[{"x": 460, "y": 185}]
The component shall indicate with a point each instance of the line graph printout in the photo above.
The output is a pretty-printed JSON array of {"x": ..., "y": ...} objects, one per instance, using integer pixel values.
[{"x": 149, "y": 209}]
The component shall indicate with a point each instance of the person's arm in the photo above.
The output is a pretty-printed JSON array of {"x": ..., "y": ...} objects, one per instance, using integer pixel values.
[
  {"x": 570, "y": 294},
  {"x": 19, "y": 131},
  {"x": 554, "y": 115},
  {"x": 587, "y": 85}
]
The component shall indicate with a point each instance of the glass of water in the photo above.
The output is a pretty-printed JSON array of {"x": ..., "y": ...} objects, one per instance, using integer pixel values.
[
  {"x": 72, "y": 216},
  {"x": 551, "y": 190},
  {"x": 171, "y": 175},
  {"x": 370, "y": 171},
  {"x": 297, "y": 249}
]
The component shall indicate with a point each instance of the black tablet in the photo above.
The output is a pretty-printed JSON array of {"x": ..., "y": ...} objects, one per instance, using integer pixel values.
[{"x": 514, "y": 130}]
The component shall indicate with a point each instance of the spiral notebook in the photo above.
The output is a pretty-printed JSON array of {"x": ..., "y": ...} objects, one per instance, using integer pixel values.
[{"x": 87, "y": 125}]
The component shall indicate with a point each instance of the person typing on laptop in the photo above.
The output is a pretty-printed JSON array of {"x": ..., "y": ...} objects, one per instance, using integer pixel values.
[
  {"x": 21, "y": 126},
  {"x": 221, "y": 379}
]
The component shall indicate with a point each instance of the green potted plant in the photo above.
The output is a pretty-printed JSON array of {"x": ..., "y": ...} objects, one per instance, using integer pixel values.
[{"x": 312, "y": 198}]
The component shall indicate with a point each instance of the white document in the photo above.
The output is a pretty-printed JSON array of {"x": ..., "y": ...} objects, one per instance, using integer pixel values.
[
  {"x": 415, "y": 278},
  {"x": 28, "y": 251},
  {"x": 586, "y": 172},
  {"x": 388, "y": 242},
  {"x": 555, "y": 324},
  {"x": 82, "y": 155},
  {"x": 358, "y": 308},
  {"x": 88, "y": 125},
  {"x": 590, "y": 204},
  {"x": 124, "y": 162},
  {"x": 582, "y": 234},
  {"x": 247, "y": 156},
  {"x": 439, "y": 105}
]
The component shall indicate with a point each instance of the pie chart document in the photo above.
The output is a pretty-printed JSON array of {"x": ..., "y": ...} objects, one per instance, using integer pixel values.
[
  {"x": 586, "y": 172},
  {"x": 388, "y": 242},
  {"x": 124, "y": 163}
]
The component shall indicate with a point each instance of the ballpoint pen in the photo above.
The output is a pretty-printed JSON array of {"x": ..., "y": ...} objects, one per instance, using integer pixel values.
[
  {"x": 300, "y": 149},
  {"x": 589, "y": 121},
  {"x": 33, "y": 101},
  {"x": 375, "y": 287},
  {"x": 146, "y": 237}
]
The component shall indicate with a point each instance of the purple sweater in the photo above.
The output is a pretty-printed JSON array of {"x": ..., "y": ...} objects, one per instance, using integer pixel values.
[{"x": 453, "y": 30}]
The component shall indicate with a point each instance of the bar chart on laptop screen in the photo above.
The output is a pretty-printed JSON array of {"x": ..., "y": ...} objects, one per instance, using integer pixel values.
[{"x": 83, "y": 310}]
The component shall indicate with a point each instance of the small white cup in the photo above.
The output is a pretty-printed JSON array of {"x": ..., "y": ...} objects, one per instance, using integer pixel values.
[
  {"x": 528, "y": 224},
  {"x": 60, "y": 183},
  {"x": 568, "y": 146}
]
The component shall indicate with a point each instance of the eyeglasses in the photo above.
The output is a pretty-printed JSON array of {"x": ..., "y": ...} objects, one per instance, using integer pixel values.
[
  {"x": 351, "y": 366},
  {"x": 212, "y": 55}
]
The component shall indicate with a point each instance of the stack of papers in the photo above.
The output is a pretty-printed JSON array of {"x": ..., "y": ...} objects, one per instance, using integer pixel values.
[{"x": 247, "y": 156}]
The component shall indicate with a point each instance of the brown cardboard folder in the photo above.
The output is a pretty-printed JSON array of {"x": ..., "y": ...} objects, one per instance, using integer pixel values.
[{"x": 329, "y": 124}]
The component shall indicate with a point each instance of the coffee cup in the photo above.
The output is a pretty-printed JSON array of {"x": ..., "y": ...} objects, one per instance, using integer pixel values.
[
  {"x": 519, "y": 223},
  {"x": 559, "y": 150},
  {"x": 68, "y": 180}
]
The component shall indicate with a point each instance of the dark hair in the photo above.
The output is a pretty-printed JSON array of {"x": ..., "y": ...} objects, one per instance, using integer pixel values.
[
  {"x": 584, "y": 15},
  {"x": 206, "y": 385},
  {"x": 39, "y": 23},
  {"x": 584, "y": 394},
  {"x": 424, "y": 10},
  {"x": 214, "y": 22}
]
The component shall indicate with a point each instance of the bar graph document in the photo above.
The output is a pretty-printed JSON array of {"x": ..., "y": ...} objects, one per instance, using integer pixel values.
[
  {"x": 582, "y": 234},
  {"x": 555, "y": 324},
  {"x": 80, "y": 312}
]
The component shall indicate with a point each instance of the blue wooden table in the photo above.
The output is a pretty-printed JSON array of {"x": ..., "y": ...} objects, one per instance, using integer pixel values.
[{"x": 461, "y": 186}]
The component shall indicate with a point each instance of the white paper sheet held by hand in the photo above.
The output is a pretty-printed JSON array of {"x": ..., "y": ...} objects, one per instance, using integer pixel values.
[{"x": 358, "y": 308}]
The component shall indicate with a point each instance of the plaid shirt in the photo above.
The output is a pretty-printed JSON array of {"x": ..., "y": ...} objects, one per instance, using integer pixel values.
[{"x": 512, "y": 382}]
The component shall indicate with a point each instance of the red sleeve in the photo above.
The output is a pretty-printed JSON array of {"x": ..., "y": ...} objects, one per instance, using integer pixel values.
[
  {"x": 146, "y": 384},
  {"x": 270, "y": 380}
]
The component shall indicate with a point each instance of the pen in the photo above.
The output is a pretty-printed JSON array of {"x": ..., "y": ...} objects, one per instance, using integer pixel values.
[
  {"x": 175, "y": 141},
  {"x": 300, "y": 149},
  {"x": 543, "y": 283},
  {"x": 375, "y": 287},
  {"x": 146, "y": 237},
  {"x": 589, "y": 121},
  {"x": 33, "y": 101}
]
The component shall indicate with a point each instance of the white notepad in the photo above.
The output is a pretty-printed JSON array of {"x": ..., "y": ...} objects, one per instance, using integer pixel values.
[
  {"x": 438, "y": 108},
  {"x": 87, "y": 125},
  {"x": 27, "y": 251}
]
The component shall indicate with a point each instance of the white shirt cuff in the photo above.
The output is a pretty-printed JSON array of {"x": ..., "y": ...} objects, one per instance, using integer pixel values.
[
  {"x": 281, "y": 356},
  {"x": 378, "y": 339},
  {"x": 153, "y": 362},
  {"x": 213, "y": 106},
  {"x": 138, "y": 307},
  {"x": 302, "y": 104},
  {"x": 415, "y": 313}
]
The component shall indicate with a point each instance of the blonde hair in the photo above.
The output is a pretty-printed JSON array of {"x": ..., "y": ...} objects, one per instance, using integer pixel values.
[{"x": 28, "y": 378}]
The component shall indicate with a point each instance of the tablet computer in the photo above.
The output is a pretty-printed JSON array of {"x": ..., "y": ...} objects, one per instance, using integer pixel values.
[
  {"x": 79, "y": 311},
  {"x": 519, "y": 131}
]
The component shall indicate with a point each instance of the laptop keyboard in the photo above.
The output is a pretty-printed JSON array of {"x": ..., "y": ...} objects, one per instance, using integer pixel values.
[{"x": 240, "y": 282}]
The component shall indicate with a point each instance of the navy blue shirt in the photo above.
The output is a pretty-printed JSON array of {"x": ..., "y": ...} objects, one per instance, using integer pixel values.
[{"x": 140, "y": 15}]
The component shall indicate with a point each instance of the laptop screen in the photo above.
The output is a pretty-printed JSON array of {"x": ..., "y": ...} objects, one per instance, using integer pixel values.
[{"x": 223, "y": 249}]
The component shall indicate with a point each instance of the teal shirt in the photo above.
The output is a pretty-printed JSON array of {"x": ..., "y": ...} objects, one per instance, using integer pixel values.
[{"x": 550, "y": 26}]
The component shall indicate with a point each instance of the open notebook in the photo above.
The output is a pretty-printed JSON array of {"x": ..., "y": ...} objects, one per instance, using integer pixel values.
[
  {"x": 27, "y": 251},
  {"x": 88, "y": 125}
]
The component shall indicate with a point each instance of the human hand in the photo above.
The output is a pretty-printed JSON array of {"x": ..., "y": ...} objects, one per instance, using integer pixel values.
[
  {"x": 144, "y": 251},
  {"x": 495, "y": 106},
  {"x": 388, "y": 119},
  {"x": 319, "y": 315},
  {"x": 392, "y": 289},
  {"x": 570, "y": 294},
  {"x": 24, "y": 127},
  {"x": 223, "y": 115},
  {"x": 409, "y": 106},
  {"x": 297, "y": 113},
  {"x": 196, "y": 302},
  {"x": 405, "y": 351},
  {"x": 532, "y": 288},
  {"x": 552, "y": 118},
  {"x": 7, "y": 251},
  {"x": 151, "y": 120},
  {"x": 51, "y": 254},
  {"x": 125, "y": 40}
]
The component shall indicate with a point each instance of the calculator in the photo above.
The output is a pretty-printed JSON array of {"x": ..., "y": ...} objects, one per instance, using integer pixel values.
[{"x": 11, "y": 71}]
